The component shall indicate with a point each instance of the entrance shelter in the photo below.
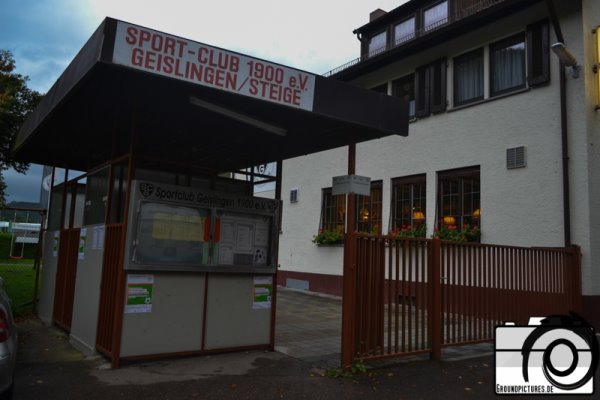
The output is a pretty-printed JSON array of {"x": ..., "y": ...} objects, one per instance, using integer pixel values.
[{"x": 156, "y": 249}]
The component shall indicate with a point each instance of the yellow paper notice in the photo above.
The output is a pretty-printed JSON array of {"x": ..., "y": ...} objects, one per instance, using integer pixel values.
[{"x": 186, "y": 228}]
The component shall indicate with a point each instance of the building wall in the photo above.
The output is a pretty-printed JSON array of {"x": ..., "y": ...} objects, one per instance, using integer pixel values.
[
  {"x": 521, "y": 207},
  {"x": 591, "y": 140}
]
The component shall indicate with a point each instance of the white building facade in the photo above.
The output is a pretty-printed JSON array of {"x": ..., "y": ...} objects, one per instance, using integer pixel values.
[{"x": 485, "y": 145}]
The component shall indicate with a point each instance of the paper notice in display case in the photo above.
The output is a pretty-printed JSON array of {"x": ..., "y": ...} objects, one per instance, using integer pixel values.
[
  {"x": 172, "y": 234},
  {"x": 244, "y": 239}
]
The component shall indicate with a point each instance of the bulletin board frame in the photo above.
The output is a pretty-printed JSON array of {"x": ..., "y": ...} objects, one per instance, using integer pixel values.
[{"x": 234, "y": 233}]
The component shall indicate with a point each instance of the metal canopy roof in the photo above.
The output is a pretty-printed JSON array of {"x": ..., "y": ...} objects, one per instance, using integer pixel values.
[{"x": 107, "y": 93}]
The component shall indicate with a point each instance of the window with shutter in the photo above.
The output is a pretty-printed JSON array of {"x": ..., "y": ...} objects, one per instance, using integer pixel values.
[
  {"x": 430, "y": 88},
  {"x": 538, "y": 54}
]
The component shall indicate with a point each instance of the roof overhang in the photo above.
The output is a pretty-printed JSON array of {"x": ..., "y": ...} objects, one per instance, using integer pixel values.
[
  {"x": 196, "y": 104},
  {"x": 456, "y": 27}
]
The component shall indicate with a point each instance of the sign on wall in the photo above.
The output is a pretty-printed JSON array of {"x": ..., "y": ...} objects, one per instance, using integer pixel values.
[
  {"x": 178, "y": 58},
  {"x": 139, "y": 293}
]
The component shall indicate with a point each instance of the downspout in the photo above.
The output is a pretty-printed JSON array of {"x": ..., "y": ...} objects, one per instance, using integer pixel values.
[{"x": 563, "y": 128}]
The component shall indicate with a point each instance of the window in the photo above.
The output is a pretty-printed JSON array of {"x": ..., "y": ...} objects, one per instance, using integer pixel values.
[
  {"x": 96, "y": 197},
  {"x": 459, "y": 198},
  {"x": 405, "y": 88},
  {"x": 377, "y": 43},
  {"x": 408, "y": 202},
  {"x": 404, "y": 31},
  {"x": 368, "y": 210},
  {"x": 468, "y": 77},
  {"x": 333, "y": 212},
  {"x": 507, "y": 65},
  {"x": 435, "y": 16},
  {"x": 430, "y": 88}
]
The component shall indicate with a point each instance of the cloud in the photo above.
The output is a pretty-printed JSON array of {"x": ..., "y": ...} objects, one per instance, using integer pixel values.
[{"x": 22, "y": 187}]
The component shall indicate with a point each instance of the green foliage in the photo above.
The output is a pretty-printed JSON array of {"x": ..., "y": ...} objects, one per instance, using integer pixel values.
[
  {"x": 357, "y": 368},
  {"x": 17, "y": 101},
  {"x": 328, "y": 237},
  {"x": 19, "y": 279},
  {"x": 450, "y": 232},
  {"x": 409, "y": 231}
]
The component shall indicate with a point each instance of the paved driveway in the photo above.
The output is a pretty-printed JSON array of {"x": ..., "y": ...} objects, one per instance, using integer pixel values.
[{"x": 309, "y": 327}]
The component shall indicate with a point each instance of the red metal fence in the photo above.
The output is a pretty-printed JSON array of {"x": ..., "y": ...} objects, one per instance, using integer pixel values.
[
  {"x": 112, "y": 266},
  {"x": 416, "y": 295}
]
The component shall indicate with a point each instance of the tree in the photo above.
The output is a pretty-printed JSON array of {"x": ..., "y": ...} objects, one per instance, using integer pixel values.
[{"x": 17, "y": 101}]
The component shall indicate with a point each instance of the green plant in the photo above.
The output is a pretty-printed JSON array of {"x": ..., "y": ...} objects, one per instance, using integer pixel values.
[
  {"x": 468, "y": 233},
  {"x": 328, "y": 237},
  {"x": 359, "y": 367},
  {"x": 19, "y": 278}
]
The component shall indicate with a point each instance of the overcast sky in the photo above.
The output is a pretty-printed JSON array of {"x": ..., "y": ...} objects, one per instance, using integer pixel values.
[{"x": 314, "y": 35}]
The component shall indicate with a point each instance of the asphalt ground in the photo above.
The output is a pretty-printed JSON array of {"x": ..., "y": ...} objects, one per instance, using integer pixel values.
[{"x": 50, "y": 368}]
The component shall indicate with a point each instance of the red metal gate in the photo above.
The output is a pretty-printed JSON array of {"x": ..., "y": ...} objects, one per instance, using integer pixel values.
[
  {"x": 66, "y": 272},
  {"x": 409, "y": 296}
]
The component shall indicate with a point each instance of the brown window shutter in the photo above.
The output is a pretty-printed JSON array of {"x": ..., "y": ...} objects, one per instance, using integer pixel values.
[
  {"x": 538, "y": 53},
  {"x": 422, "y": 91},
  {"x": 438, "y": 86}
]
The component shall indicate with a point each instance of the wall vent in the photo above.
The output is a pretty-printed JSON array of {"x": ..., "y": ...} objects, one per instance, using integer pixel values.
[
  {"x": 294, "y": 195},
  {"x": 515, "y": 157}
]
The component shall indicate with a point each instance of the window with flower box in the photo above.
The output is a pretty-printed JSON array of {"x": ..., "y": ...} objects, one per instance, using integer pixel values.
[
  {"x": 333, "y": 212},
  {"x": 409, "y": 196},
  {"x": 368, "y": 211},
  {"x": 459, "y": 199}
]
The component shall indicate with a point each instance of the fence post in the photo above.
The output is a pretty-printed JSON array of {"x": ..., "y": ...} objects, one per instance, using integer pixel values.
[
  {"x": 435, "y": 296},
  {"x": 349, "y": 292},
  {"x": 575, "y": 272}
]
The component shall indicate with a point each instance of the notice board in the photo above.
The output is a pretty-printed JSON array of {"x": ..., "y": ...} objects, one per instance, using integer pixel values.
[{"x": 181, "y": 228}]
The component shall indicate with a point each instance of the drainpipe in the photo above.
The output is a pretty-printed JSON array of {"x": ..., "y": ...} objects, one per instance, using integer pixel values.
[{"x": 563, "y": 128}]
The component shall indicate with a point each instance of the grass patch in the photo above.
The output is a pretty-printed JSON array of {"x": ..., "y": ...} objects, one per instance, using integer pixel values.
[{"x": 19, "y": 279}]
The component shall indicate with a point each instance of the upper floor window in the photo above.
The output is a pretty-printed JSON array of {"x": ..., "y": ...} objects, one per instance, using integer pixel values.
[
  {"x": 468, "y": 77},
  {"x": 430, "y": 88},
  {"x": 405, "y": 88},
  {"x": 377, "y": 43},
  {"x": 435, "y": 16},
  {"x": 404, "y": 31},
  {"x": 507, "y": 65}
]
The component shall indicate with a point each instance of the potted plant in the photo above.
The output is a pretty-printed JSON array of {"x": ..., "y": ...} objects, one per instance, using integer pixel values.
[{"x": 328, "y": 237}]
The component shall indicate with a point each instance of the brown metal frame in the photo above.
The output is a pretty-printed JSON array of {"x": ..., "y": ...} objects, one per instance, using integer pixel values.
[{"x": 434, "y": 293}]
